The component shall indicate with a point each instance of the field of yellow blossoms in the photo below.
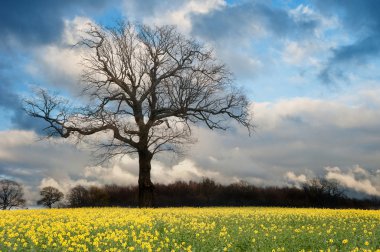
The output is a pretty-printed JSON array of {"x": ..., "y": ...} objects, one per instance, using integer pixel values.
[{"x": 190, "y": 229}]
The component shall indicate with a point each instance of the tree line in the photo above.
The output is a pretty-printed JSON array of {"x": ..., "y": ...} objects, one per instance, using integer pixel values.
[{"x": 317, "y": 192}]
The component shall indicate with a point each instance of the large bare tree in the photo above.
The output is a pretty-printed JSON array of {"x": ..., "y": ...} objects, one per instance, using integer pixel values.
[{"x": 147, "y": 87}]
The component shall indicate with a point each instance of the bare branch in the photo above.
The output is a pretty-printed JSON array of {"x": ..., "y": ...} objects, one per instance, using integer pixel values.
[{"x": 147, "y": 87}]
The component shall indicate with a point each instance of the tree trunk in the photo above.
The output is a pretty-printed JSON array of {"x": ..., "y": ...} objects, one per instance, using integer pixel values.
[
  {"x": 145, "y": 184},
  {"x": 5, "y": 203}
]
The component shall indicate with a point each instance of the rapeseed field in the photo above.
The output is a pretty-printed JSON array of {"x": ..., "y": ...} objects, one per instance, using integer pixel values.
[{"x": 190, "y": 229}]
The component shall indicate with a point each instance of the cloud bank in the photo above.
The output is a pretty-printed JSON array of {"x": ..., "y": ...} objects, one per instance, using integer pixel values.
[{"x": 295, "y": 140}]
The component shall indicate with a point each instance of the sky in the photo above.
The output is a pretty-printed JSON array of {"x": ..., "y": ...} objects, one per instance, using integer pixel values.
[{"x": 310, "y": 69}]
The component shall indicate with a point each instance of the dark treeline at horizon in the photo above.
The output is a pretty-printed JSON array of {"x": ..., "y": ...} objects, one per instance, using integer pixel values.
[{"x": 317, "y": 193}]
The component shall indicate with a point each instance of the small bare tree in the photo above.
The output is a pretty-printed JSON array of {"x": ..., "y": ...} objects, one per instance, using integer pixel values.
[
  {"x": 11, "y": 194},
  {"x": 147, "y": 86},
  {"x": 50, "y": 195}
]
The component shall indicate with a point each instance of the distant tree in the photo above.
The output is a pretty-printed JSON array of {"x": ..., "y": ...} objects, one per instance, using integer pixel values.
[
  {"x": 322, "y": 186},
  {"x": 11, "y": 194},
  {"x": 98, "y": 196},
  {"x": 208, "y": 189},
  {"x": 323, "y": 192},
  {"x": 78, "y": 196},
  {"x": 192, "y": 193},
  {"x": 50, "y": 195},
  {"x": 147, "y": 87}
]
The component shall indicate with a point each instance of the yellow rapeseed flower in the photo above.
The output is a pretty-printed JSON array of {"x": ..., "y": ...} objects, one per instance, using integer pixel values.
[{"x": 188, "y": 229}]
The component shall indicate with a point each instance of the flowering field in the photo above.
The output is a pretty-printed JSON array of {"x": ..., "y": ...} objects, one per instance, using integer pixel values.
[{"x": 190, "y": 229}]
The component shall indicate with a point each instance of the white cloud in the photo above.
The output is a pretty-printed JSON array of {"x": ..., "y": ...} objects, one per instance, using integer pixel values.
[
  {"x": 168, "y": 12},
  {"x": 73, "y": 30},
  {"x": 294, "y": 53},
  {"x": 319, "y": 112},
  {"x": 243, "y": 65},
  {"x": 334, "y": 169},
  {"x": 359, "y": 170},
  {"x": 60, "y": 63},
  {"x": 185, "y": 170},
  {"x": 368, "y": 184},
  {"x": 296, "y": 180},
  {"x": 111, "y": 175},
  {"x": 299, "y": 135},
  {"x": 14, "y": 138},
  {"x": 54, "y": 183},
  {"x": 306, "y": 53},
  {"x": 303, "y": 13},
  {"x": 28, "y": 158},
  {"x": 64, "y": 185},
  {"x": 11, "y": 139},
  {"x": 124, "y": 171}
]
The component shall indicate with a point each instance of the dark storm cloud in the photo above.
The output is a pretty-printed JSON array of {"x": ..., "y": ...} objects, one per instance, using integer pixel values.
[
  {"x": 35, "y": 22},
  {"x": 138, "y": 9},
  {"x": 237, "y": 22},
  {"x": 11, "y": 102},
  {"x": 362, "y": 20},
  {"x": 243, "y": 33},
  {"x": 30, "y": 24},
  {"x": 355, "y": 54},
  {"x": 8, "y": 99}
]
